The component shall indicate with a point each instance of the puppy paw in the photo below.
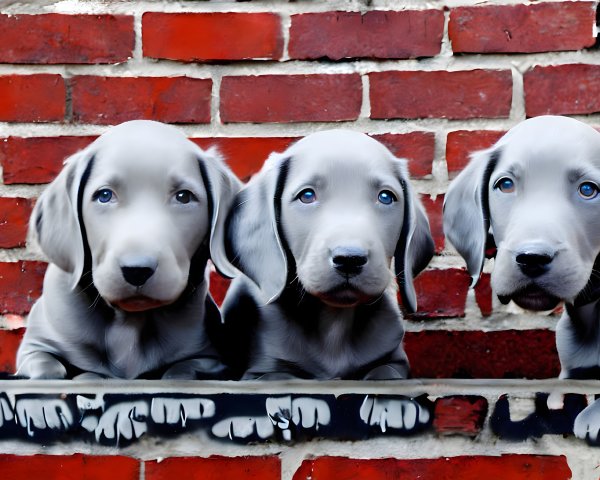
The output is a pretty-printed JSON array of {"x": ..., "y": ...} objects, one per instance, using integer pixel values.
[
  {"x": 37, "y": 415},
  {"x": 587, "y": 424},
  {"x": 393, "y": 413},
  {"x": 178, "y": 411},
  {"x": 42, "y": 366},
  {"x": 196, "y": 368}
]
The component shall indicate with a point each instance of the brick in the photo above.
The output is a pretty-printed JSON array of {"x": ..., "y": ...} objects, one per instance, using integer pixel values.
[
  {"x": 477, "y": 354},
  {"x": 373, "y": 34},
  {"x": 291, "y": 98},
  {"x": 212, "y": 36},
  {"x": 110, "y": 100},
  {"x": 460, "y": 414},
  {"x": 562, "y": 90},
  {"x": 69, "y": 467},
  {"x": 218, "y": 287},
  {"x": 215, "y": 468},
  {"x": 37, "y": 159},
  {"x": 462, "y": 143},
  {"x": 477, "y": 467},
  {"x": 14, "y": 220},
  {"x": 20, "y": 285},
  {"x": 32, "y": 98},
  {"x": 545, "y": 27},
  {"x": 56, "y": 38},
  {"x": 434, "y": 210},
  {"x": 484, "y": 295},
  {"x": 417, "y": 147},
  {"x": 9, "y": 344},
  {"x": 246, "y": 155},
  {"x": 441, "y": 293},
  {"x": 441, "y": 94}
]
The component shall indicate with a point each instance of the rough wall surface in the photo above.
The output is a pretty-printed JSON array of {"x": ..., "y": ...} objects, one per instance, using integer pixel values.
[{"x": 432, "y": 80}]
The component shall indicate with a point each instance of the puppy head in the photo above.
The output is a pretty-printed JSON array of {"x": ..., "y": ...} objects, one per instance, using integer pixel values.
[
  {"x": 536, "y": 192},
  {"x": 135, "y": 208},
  {"x": 338, "y": 205}
]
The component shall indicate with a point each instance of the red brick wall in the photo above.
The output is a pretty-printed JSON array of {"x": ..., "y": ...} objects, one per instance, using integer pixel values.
[{"x": 432, "y": 83}]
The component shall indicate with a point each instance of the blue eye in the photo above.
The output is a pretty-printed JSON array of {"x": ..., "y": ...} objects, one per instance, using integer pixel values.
[
  {"x": 103, "y": 195},
  {"x": 307, "y": 195},
  {"x": 505, "y": 185},
  {"x": 588, "y": 190},
  {"x": 184, "y": 196},
  {"x": 386, "y": 197}
]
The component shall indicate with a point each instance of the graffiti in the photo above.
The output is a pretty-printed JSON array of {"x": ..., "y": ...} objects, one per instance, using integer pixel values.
[{"x": 120, "y": 419}]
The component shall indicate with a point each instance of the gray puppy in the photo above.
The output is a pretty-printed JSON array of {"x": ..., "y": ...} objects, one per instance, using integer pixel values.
[
  {"x": 128, "y": 227},
  {"x": 315, "y": 233},
  {"x": 536, "y": 191}
]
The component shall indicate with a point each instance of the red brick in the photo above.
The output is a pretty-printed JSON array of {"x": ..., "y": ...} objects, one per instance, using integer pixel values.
[
  {"x": 441, "y": 94},
  {"x": 562, "y": 90},
  {"x": 14, "y": 219},
  {"x": 434, "y": 210},
  {"x": 32, "y": 98},
  {"x": 37, "y": 159},
  {"x": 9, "y": 344},
  {"x": 20, "y": 285},
  {"x": 212, "y": 36},
  {"x": 69, "y": 467},
  {"x": 109, "y": 100},
  {"x": 476, "y": 354},
  {"x": 218, "y": 287},
  {"x": 483, "y": 294},
  {"x": 291, "y": 98},
  {"x": 417, "y": 147},
  {"x": 246, "y": 155},
  {"x": 544, "y": 27},
  {"x": 215, "y": 468},
  {"x": 503, "y": 467},
  {"x": 460, "y": 414},
  {"x": 462, "y": 143},
  {"x": 441, "y": 293},
  {"x": 373, "y": 34},
  {"x": 55, "y": 38}
]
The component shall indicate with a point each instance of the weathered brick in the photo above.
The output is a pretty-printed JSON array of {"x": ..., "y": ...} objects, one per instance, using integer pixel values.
[
  {"x": 478, "y": 354},
  {"x": 441, "y": 94},
  {"x": 505, "y": 467},
  {"x": 9, "y": 344},
  {"x": 20, "y": 285},
  {"x": 215, "y": 468},
  {"x": 56, "y": 38},
  {"x": 109, "y": 100},
  {"x": 544, "y": 27},
  {"x": 212, "y": 36},
  {"x": 460, "y": 414},
  {"x": 291, "y": 98},
  {"x": 32, "y": 98},
  {"x": 88, "y": 467},
  {"x": 373, "y": 34},
  {"x": 484, "y": 295},
  {"x": 434, "y": 210},
  {"x": 417, "y": 147},
  {"x": 441, "y": 293},
  {"x": 14, "y": 219},
  {"x": 245, "y": 155},
  {"x": 37, "y": 159},
  {"x": 562, "y": 90},
  {"x": 462, "y": 143}
]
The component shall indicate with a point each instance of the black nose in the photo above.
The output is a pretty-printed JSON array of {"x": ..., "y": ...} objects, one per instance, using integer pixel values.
[
  {"x": 534, "y": 264},
  {"x": 137, "y": 276},
  {"x": 349, "y": 260}
]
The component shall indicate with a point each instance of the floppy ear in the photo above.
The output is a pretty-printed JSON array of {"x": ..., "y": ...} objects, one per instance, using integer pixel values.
[
  {"x": 56, "y": 219},
  {"x": 253, "y": 240},
  {"x": 466, "y": 210},
  {"x": 415, "y": 246},
  {"x": 221, "y": 187}
]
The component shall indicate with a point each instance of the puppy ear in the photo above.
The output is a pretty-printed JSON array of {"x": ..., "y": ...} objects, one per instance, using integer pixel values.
[
  {"x": 221, "y": 187},
  {"x": 466, "y": 210},
  {"x": 415, "y": 246},
  {"x": 56, "y": 219},
  {"x": 254, "y": 244}
]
